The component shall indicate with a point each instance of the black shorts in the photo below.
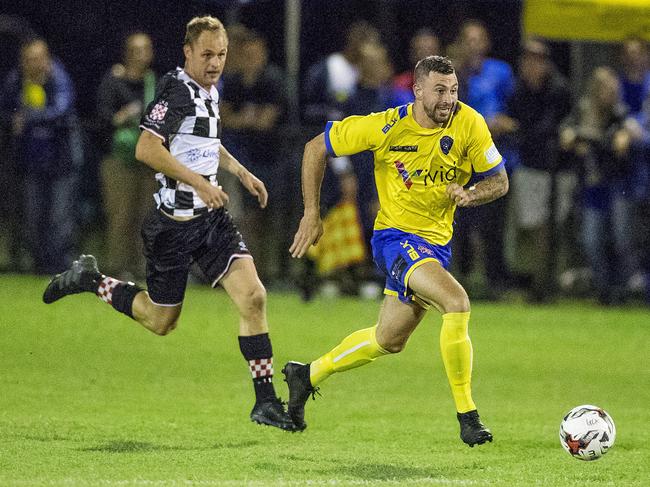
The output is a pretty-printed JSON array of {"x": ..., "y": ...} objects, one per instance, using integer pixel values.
[{"x": 211, "y": 240}]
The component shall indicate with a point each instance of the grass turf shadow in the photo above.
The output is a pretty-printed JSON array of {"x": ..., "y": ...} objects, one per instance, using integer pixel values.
[{"x": 128, "y": 446}]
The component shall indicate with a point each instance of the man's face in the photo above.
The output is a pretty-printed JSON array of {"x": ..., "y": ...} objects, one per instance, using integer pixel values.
[
  {"x": 139, "y": 50},
  {"x": 476, "y": 42},
  {"x": 635, "y": 55},
  {"x": 438, "y": 94},
  {"x": 205, "y": 58},
  {"x": 534, "y": 69},
  {"x": 608, "y": 92},
  {"x": 36, "y": 62},
  {"x": 255, "y": 54},
  {"x": 422, "y": 46}
]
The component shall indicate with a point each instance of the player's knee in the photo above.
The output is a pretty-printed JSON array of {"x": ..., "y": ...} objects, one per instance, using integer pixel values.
[
  {"x": 394, "y": 344},
  {"x": 395, "y": 347},
  {"x": 161, "y": 324},
  {"x": 163, "y": 327},
  {"x": 458, "y": 303},
  {"x": 254, "y": 300}
]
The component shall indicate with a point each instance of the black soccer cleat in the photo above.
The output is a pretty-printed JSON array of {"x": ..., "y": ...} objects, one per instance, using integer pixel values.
[
  {"x": 472, "y": 431},
  {"x": 83, "y": 276},
  {"x": 272, "y": 413},
  {"x": 300, "y": 388}
]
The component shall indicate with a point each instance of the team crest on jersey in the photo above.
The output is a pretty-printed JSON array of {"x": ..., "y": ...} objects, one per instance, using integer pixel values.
[
  {"x": 445, "y": 144},
  {"x": 158, "y": 112}
]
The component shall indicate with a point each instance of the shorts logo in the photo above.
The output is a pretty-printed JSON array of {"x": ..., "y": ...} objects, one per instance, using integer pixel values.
[
  {"x": 445, "y": 144},
  {"x": 158, "y": 112},
  {"x": 412, "y": 253},
  {"x": 425, "y": 250}
]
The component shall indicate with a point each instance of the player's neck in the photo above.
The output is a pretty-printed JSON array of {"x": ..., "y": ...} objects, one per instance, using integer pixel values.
[
  {"x": 423, "y": 119},
  {"x": 196, "y": 80}
]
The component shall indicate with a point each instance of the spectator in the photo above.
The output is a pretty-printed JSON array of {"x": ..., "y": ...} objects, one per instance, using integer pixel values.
[
  {"x": 374, "y": 93},
  {"x": 252, "y": 108},
  {"x": 635, "y": 73},
  {"x": 38, "y": 97},
  {"x": 486, "y": 85},
  {"x": 423, "y": 43},
  {"x": 640, "y": 154},
  {"x": 332, "y": 80},
  {"x": 540, "y": 102},
  {"x": 329, "y": 85},
  {"x": 128, "y": 185},
  {"x": 14, "y": 30},
  {"x": 598, "y": 136}
]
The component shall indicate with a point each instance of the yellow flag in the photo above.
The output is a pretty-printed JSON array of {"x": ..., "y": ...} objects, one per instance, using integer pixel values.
[{"x": 342, "y": 242}]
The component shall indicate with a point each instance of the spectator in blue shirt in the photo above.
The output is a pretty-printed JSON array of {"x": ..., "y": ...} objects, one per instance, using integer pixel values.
[
  {"x": 37, "y": 98},
  {"x": 487, "y": 85},
  {"x": 634, "y": 74}
]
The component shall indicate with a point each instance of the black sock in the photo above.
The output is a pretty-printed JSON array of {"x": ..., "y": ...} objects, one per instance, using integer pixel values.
[
  {"x": 258, "y": 352},
  {"x": 118, "y": 294}
]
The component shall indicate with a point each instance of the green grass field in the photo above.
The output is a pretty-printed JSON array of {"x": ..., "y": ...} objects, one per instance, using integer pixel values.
[{"x": 87, "y": 397}]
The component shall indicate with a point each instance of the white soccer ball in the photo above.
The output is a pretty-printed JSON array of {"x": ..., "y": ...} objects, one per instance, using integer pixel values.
[{"x": 587, "y": 432}]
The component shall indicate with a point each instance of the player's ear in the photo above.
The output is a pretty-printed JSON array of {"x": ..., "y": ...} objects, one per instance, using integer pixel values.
[
  {"x": 187, "y": 50},
  {"x": 417, "y": 91}
]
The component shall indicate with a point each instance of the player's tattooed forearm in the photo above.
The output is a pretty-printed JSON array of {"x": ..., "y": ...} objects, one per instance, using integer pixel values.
[{"x": 489, "y": 189}]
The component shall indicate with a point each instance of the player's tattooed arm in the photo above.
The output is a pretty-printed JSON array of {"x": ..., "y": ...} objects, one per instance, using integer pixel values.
[{"x": 485, "y": 191}]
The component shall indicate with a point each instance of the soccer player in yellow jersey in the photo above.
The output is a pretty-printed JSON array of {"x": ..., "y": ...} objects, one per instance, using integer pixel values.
[{"x": 425, "y": 153}]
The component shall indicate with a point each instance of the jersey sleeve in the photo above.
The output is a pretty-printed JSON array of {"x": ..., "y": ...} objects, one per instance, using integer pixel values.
[
  {"x": 165, "y": 113},
  {"x": 481, "y": 151},
  {"x": 354, "y": 134}
]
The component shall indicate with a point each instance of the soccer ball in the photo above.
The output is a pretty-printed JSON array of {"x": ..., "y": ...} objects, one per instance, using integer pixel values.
[{"x": 587, "y": 432}]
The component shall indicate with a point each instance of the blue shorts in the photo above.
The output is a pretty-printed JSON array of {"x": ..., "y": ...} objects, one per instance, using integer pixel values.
[{"x": 398, "y": 254}]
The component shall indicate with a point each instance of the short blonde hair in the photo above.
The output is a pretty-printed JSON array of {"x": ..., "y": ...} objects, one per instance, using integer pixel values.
[{"x": 198, "y": 25}]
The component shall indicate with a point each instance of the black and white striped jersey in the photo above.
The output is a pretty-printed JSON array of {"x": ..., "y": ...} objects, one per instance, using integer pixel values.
[{"x": 186, "y": 117}]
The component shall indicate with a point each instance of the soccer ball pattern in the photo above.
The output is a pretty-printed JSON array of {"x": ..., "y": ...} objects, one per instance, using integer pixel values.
[{"x": 587, "y": 432}]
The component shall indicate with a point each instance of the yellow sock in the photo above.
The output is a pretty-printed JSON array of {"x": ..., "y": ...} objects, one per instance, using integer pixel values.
[
  {"x": 456, "y": 349},
  {"x": 355, "y": 350}
]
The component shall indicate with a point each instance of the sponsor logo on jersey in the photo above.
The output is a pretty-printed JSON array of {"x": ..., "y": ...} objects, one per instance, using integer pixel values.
[
  {"x": 403, "y": 148},
  {"x": 406, "y": 177},
  {"x": 439, "y": 176},
  {"x": 194, "y": 155}
]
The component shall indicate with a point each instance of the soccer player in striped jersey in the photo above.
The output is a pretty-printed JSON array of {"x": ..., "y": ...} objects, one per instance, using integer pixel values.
[
  {"x": 425, "y": 153},
  {"x": 181, "y": 139}
]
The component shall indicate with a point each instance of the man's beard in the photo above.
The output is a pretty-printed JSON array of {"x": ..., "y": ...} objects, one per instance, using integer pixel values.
[{"x": 431, "y": 113}]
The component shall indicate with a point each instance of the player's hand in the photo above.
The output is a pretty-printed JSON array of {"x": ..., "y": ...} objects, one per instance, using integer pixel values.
[
  {"x": 212, "y": 196},
  {"x": 254, "y": 186},
  {"x": 621, "y": 142},
  {"x": 18, "y": 123},
  {"x": 459, "y": 195},
  {"x": 308, "y": 234}
]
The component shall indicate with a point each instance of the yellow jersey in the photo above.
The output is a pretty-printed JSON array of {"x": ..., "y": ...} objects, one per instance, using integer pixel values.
[{"x": 414, "y": 165}]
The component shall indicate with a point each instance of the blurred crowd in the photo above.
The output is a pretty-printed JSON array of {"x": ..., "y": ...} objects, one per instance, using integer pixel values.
[{"x": 576, "y": 220}]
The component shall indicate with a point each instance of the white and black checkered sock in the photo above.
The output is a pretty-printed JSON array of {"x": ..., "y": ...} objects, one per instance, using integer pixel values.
[
  {"x": 258, "y": 353},
  {"x": 118, "y": 294},
  {"x": 106, "y": 287},
  {"x": 262, "y": 372}
]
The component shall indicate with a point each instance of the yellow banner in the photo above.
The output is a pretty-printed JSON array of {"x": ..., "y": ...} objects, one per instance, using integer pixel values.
[{"x": 587, "y": 20}]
